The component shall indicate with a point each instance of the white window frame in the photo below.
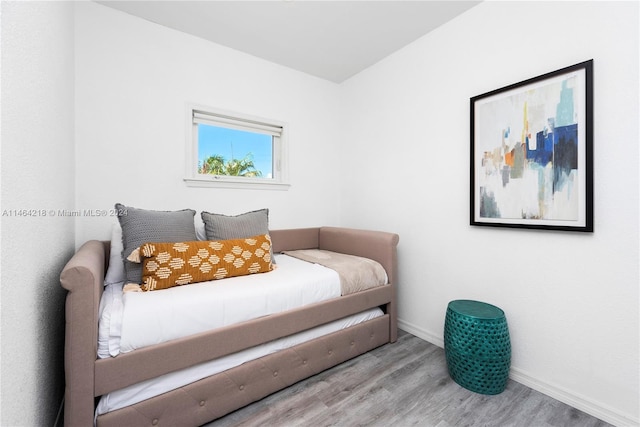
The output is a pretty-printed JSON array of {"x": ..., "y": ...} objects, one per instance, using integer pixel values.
[{"x": 217, "y": 117}]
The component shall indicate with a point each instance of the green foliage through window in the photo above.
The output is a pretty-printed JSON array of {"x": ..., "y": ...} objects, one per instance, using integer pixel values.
[{"x": 217, "y": 165}]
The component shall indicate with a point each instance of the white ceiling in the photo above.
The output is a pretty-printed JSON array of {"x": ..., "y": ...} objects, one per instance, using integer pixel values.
[{"x": 333, "y": 40}]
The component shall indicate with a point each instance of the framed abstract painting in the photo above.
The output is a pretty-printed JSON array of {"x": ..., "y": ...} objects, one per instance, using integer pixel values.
[{"x": 532, "y": 153}]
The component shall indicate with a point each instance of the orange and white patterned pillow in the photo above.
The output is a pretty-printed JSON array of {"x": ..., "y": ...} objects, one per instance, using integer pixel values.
[{"x": 165, "y": 265}]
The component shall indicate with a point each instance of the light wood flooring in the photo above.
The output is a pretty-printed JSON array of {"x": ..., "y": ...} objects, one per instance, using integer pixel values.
[{"x": 402, "y": 384}]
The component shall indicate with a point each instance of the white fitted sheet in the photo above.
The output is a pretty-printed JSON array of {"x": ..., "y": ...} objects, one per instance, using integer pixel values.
[
  {"x": 154, "y": 387},
  {"x": 139, "y": 319}
]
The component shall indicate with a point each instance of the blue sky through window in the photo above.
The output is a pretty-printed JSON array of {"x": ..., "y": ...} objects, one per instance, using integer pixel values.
[{"x": 232, "y": 143}]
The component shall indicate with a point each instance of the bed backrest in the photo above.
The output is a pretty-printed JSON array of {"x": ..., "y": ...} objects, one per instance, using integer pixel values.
[
  {"x": 377, "y": 245},
  {"x": 295, "y": 238}
]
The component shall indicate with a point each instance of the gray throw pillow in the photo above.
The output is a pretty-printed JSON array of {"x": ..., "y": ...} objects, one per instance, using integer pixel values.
[
  {"x": 224, "y": 227},
  {"x": 140, "y": 226}
]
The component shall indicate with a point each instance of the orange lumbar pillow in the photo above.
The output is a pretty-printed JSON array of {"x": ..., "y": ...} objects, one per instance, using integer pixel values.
[{"x": 165, "y": 265}]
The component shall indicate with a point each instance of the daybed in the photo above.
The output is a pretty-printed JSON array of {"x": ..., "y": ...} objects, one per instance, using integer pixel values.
[{"x": 88, "y": 378}]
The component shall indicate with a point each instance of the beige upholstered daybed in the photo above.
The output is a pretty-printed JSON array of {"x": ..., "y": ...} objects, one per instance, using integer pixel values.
[{"x": 88, "y": 377}]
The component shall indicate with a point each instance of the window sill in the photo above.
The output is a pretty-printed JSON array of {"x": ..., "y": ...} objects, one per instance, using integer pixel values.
[{"x": 219, "y": 182}]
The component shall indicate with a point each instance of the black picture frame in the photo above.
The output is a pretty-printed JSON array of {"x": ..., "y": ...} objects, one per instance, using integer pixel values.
[{"x": 532, "y": 153}]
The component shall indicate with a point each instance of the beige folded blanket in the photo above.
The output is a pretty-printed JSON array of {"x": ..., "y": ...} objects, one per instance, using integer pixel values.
[{"x": 356, "y": 273}]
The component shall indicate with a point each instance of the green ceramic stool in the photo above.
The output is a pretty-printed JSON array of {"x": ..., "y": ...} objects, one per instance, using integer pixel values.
[{"x": 477, "y": 346}]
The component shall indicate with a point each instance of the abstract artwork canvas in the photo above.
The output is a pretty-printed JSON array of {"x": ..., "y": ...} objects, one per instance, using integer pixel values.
[{"x": 531, "y": 153}]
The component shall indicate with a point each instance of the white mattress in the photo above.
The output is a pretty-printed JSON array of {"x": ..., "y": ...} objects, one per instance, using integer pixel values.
[
  {"x": 138, "y": 319},
  {"x": 147, "y": 389}
]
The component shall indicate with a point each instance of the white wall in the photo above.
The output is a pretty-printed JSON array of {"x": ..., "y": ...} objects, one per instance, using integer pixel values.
[
  {"x": 133, "y": 81},
  {"x": 37, "y": 173},
  {"x": 574, "y": 318}
]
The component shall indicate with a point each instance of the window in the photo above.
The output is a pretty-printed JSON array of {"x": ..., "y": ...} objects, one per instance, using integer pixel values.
[{"x": 233, "y": 150}]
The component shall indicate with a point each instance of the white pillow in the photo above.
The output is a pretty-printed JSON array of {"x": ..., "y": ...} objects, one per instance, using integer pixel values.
[
  {"x": 115, "y": 271},
  {"x": 110, "y": 324},
  {"x": 199, "y": 225}
]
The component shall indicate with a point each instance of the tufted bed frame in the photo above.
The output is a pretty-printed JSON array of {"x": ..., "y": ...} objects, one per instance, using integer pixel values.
[{"x": 87, "y": 377}]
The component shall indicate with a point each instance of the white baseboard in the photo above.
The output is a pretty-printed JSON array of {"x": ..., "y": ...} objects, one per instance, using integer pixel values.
[
  {"x": 573, "y": 399},
  {"x": 421, "y": 333},
  {"x": 591, "y": 407}
]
